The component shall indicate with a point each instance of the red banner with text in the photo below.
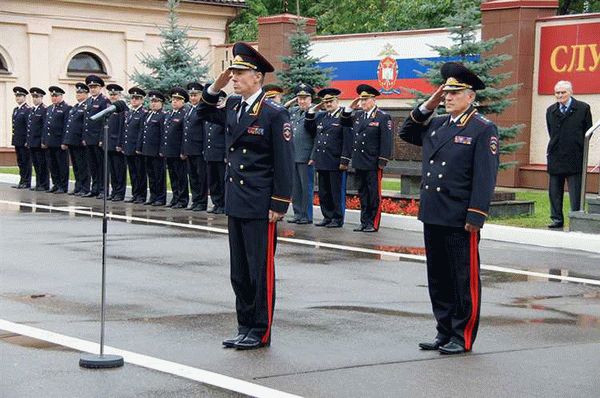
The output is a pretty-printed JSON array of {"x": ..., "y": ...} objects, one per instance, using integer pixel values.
[{"x": 570, "y": 52}]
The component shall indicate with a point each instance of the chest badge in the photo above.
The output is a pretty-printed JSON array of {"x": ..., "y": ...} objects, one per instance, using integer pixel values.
[
  {"x": 461, "y": 139},
  {"x": 255, "y": 130}
]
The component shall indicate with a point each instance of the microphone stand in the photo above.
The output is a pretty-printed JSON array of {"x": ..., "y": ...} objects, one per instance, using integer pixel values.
[{"x": 102, "y": 361}]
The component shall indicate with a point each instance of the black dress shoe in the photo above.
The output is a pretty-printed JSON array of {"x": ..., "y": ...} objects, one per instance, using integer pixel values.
[
  {"x": 251, "y": 343},
  {"x": 53, "y": 189},
  {"x": 40, "y": 189},
  {"x": 293, "y": 220},
  {"x": 148, "y": 203},
  {"x": 72, "y": 193},
  {"x": 130, "y": 200},
  {"x": 323, "y": 223},
  {"x": 117, "y": 199},
  {"x": 16, "y": 186},
  {"x": 101, "y": 196},
  {"x": 335, "y": 224},
  {"x": 360, "y": 228},
  {"x": 178, "y": 206},
  {"x": 139, "y": 201},
  {"x": 25, "y": 186},
  {"x": 230, "y": 343},
  {"x": 433, "y": 345},
  {"x": 60, "y": 191},
  {"x": 452, "y": 348},
  {"x": 81, "y": 193},
  {"x": 170, "y": 204},
  {"x": 370, "y": 228},
  {"x": 555, "y": 224},
  {"x": 199, "y": 208},
  {"x": 157, "y": 203},
  {"x": 303, "y": 221},
  {"x": 219, "y": 210}
]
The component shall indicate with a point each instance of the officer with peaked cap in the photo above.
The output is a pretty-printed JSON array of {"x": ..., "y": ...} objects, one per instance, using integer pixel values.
[
  {"x": 273, "y": 92},
  {"x": 192, "y": 149},
  {"x": 170, "y": 149},
  {"x": 302, "y": 195},
  {"x": 20, "y": 116},
  {"x": 73, "y": 140},
  {"x": 215, "y": 156},
  {"x": 257, "y": 188},
  {"x": 93, "y": 134},
  {"x": 149, "y": 144},
  {"x": 35, "y": 130},
  {"x": 57, "y": 116},
  {"x": 330, "y": 155},
  {"x": 372, "y": 148},
  {"x": 117, "y": 167},
  {"x": 134, "y": 123},
  {"x": 460, "y": 163}
]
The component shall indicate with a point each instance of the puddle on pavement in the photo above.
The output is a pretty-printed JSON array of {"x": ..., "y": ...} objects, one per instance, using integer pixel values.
[{"x": 29, "y": 342}]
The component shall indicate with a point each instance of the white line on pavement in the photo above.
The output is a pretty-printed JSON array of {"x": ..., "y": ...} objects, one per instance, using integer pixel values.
[
  {"x": 315, "y": 244},
  {"x": 173, "y": 368}
]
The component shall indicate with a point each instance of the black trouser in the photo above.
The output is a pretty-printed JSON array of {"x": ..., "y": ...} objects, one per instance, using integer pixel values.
[
  {"x": 24, "y": 163},
  {"x": 38, "y": 159},
  {"x": 80, "y": 168},
  {"x": 454, "y": 282},
  {"x": 118, "y": 173},
  {"x": 369, "y": 192},
  {"x": 95, "y": 158},
  {"x": 556, "y": 191},
  {"x": 155, "y": 167},
  {"x": 330, "y": 194},
  {"x": 197, "y": 172},
  {"x": 137, "y": 174},
  {"x": 58, "y": 164},
  {"x": 179, "y": 183},
  {"x": 302, "y": 194},
  {"x": 252, "y": 245},
  {"x": 216, "y": 183}
]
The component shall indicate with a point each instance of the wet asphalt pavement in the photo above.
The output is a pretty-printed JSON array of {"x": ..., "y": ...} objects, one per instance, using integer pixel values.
[{"x": 346, "y": 324}]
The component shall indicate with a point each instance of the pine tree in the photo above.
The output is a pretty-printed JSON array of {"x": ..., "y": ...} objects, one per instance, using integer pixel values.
[
  {"x": 176, "y": 63},
  {"x": 302, "y": 67},
  {"x": 469, "y": 50}
]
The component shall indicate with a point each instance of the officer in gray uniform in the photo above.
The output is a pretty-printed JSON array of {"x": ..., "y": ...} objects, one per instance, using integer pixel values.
[
  {"x": 57, "y": 116},
  {"x": 19, "y": 137}
]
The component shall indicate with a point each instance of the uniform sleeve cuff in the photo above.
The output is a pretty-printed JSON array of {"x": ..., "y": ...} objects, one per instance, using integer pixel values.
[
  {"x": 476, "y": 217},
  {"x": 279, "y": 204},
  {"x": 344, "y": 160}
]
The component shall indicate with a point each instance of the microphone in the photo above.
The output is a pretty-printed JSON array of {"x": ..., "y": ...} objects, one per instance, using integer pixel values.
[{"x": 117, "y": 106}]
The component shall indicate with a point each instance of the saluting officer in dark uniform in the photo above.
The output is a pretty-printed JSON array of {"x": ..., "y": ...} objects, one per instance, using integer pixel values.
[
  {"x": 72, "y": 140},
  {"x": 93, "y": 134},
  {"x": 460, "y": 163},
  {"x": 302, "y": 196},
  {"x": 331, "y": 155},
  {"x": 257, "y": 189},
  {"x": 274, "y": 92},
  {"x": 149, "y": 145},
  {"x": 191, "y": 149},
  {"x": 372, "y": 148},
  {"x": 116, "y": 159},
  {"x": 134, "y": 126},
  {"x": 214, "y": 155},
  {"x": 35, "y": 129},
  {"x": 170, "y": 148},
  {"x": 57, "y": 116},
  {"x": 19, "y": 138}
]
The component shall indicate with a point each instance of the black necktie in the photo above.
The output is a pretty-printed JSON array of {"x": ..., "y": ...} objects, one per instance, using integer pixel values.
[{"x": 242, "y": 109}]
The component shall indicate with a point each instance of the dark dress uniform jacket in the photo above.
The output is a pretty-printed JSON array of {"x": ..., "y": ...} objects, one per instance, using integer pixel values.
[
  {"x": 214, "y": 142},
  {"x": 333, "y": 142},
  {"x": 172, "y": 135},
  {"x": 303, "y": 140},
  {"x": 74, "y": 127},
  {"x": 149, "y": 144},
  {"x": 259, "y": 151},
  {"x": 116, "y": 127},
  {"x": 93, "y": 130},
  {"x": 372, "y": 138},
  {"x": 57, "y": 117},
  {"x": 19, "y": 125},
  {"x": 567, "y": 132},
  {"x": 193, "y": 133},
  {"x": 134, "y": 127},
  {"x": 460, "y": 163},
  {"x": 36, "y": 123}
]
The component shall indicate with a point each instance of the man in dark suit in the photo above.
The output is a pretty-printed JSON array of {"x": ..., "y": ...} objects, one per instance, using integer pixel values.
[
  {"x": 214, "y": 155},
  {"x": 257, "y": 189},
  {"x": 372, "y": 148},
  {"x": 149, "y": 144},
  {"x": 134, "y": 125},
  {"x": 19, "y": 138},
  {"x": 192, "y": 149},
  {"x": 170, "y": 149},
  {"x": 72, "y": 141},
  {"x": 57, "y": 116},
  {"x": 460, "y": 163},
  {"x": 93, "y": 133},
  {"x": 35, "y": 129},
  {"x": 330, "y": 156},
  {"x": 117, "y": 167},
  {"x": 567, "y": 121},
  {"x": 302, "y": 196}
]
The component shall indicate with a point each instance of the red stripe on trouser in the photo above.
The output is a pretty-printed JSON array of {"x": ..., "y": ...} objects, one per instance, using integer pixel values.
[
  {"x": 474, "y": 285},
  {"x": 378, "y": 214},
  {"x": 270, "y": 278}
]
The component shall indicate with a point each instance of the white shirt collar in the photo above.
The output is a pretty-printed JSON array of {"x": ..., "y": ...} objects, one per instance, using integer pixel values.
[
  {"x": 568, "y": 104},
  {"x": 252, "y": 99},
  {"x": 370, "y": 113}
]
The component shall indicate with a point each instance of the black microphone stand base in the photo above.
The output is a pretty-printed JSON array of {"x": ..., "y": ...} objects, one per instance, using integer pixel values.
[{"x": 93, "y": 361}]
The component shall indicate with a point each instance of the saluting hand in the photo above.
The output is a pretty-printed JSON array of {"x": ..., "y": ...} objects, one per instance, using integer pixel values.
[
  {"x": 274, "y": 216},
  {"x": 315, "y": 108},
  {"x": 222, "y": 80},
  {"x": 436, "y": 98},
  {"x": 290, "y": 102},
  {"x": 354, "y": 103},
  {"x": 343, "y": 167}
]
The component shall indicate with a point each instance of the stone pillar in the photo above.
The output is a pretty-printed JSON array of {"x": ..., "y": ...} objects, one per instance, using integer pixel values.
[
  {"x": 273, "y": 38},
  {"x": 39, "y": 59},
  {"x": 517, "y": 18},
  {"x": 134, "y": 45}
]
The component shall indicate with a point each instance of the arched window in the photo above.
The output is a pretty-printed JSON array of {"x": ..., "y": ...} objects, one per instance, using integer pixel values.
[
  {"x": 3, "y": 65},
  {"x": 87, "y": 63}
]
